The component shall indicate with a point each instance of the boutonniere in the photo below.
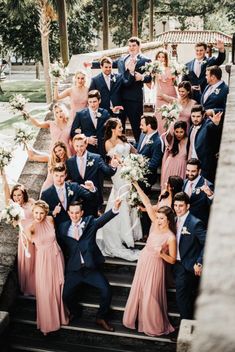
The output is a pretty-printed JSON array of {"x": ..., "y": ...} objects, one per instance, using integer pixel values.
[
  {"x": 70, "y": 192},
  {"x": 150, "y": 141},
  {"x": 216, "y": 91},
  {"x": 82, "y": 225},
  {"x": 185, "y": 231},
  {"x": 113, "y": 79},
  {"x": 78, "y": 130},
  {"x": 90, "y": 162},
  {"x": 204, "y": 62},
  {"x": 98, "y": 114},
  {"x": 196, "y": 190}
]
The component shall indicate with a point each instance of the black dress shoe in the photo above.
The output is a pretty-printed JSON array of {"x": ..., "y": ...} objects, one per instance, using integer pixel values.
[{"x": 104, "y": 325}]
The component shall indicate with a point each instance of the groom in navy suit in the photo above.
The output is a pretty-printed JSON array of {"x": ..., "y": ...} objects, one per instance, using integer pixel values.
[
  {"x": 199, "y": 190},
  {"x": 197, "y": 67},
  {"x": 191, "y": 236},
  {"x": 91, "y": 121},
  {"x": 78, "y": 239},
  {"x": 89, "y": 166},
  {"x": 62, "y": 193}
]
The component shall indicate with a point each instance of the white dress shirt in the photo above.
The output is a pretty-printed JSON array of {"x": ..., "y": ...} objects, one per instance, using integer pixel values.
[
  {"x": 146, "y": 139},
  {"x": 197, "y": 67},
  {"x": 93, "y": 115},
  {"x": 211, "y": 89},
  {"x": 194, "y": 183},
  {"x": 192, "y": 150},
  {"x": 180, "y": 224},
  {"x": 71, "y": 234},
  {"x": 58, "y": 188},
  {"x": 78, "y": 160}
]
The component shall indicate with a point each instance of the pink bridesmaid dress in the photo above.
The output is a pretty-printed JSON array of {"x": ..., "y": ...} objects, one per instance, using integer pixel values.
[
  {"x": 165, "y": 85},
  {"x": 26, "y": 272},
  {"x": 49, "y": 275},
  {"x": 147, "y": 300},
  {"x": 48, "y": 182},
  {"x": 185, "y": 113},
  {"x": 173, "y": 165},
  {"x": 58, "y": 134},
  {"x": 78, "y": 100}
]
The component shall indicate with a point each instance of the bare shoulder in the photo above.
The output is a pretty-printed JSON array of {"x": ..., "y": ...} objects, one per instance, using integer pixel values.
[
  {"x": 108, "y": 145},
  {"x": 50, "y": 219},
  {"x": 172, "y": 238}
]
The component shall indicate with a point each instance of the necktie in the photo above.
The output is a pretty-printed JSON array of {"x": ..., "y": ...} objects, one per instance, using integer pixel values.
[
  {"x": 208, "y": 93},
  {"x": 192, "y": 141},
  {"x": 143, "y": 142},
  {"x": 197, "y": 69},
  {"x": 107, "y": 80},
  {"x": 95, "y": 118},
  {"x": 82, "y": 167},
  {"x": 190, "y": 189},
  {"x": 61, "y": 196},
  {"x": 76, "y": 232}
]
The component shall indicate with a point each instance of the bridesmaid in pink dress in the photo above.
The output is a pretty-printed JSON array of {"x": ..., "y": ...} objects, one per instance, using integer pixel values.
[
  {"x": 78, "y": 93},
  {"x": 59, "y": 128},
  {"x": 175, "y": 155},
  {"x": 58, "y": 155},
  {"x": 49, "y": 271},
  {"x": 25, "y": 265},
  {"x": 164, "y": 85},
  {"x": 147, "y": 300},
  {"x": 184, "y": 100}
]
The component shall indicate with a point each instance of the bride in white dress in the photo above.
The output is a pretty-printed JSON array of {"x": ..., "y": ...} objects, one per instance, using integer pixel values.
[{"x": 125, "y": 228}]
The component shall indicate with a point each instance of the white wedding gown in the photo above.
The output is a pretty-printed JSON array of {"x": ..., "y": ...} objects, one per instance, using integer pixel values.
[{"x": 126, "y": 226}]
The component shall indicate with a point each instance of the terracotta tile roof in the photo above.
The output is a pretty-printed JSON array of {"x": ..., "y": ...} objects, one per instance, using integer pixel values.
[{"x": 192, "y": 37}]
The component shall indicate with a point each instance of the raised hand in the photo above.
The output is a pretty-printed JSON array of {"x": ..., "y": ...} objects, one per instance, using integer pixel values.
[
  {"x": 216, "y": 118},
  {"x": 89, "y": 185},
  {"x": 206, "y": 189},
  {"x": 220, "y": 45},
  {"x": 57, "y": 210}
]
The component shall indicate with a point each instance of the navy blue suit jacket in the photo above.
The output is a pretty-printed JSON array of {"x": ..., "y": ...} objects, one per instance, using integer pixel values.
[
  {"x": 191, "y": 246},
  {"x": 94, "y": 169},
  {"x": 153, "y": 151},
  {"x": 114, "y": 94},
  {"x": 73, "y": 193},
  {"x": 216, "y": 100},
  {"x": 83, "y": 121},
  {"x": 207, "y": 146},
  {"x": 199, "y": 202},
  {"x": 201, "y": 80},
  {"x": 86, "y": 245}
]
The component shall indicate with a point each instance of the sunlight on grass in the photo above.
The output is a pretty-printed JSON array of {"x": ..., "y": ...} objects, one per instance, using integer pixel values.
[{"x": 33, "y": 90}]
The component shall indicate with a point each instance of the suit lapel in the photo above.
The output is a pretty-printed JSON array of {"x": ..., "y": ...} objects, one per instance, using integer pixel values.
[
  {"x": 89, "y": 159},
  {"x": 91, "y": 121},
  {"x": 142, "y": 136}
]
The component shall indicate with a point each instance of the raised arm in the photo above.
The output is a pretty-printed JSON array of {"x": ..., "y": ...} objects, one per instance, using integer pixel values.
[
  {"x": 66, "y": 93},
  {"x": 6, "y": 188},
  {"x": 41, "y": 158},
  {"x": 35, "y": 122},
  {"x": 146, "y": 201}
]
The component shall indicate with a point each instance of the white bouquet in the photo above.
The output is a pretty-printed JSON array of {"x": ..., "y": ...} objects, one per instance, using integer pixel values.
[
  {"x": 178, "y": 69},
  {"x": 153, "y": 68},
  {"x": 170, "y": 113},
  {"x": 17, "y": 103},
  {"x": 57, "y": 70},
  {"x": 12, "y": 213},
  {"x": 5, "y": 156},
  {"x": 23, "y": 135},
  {"x": 135, "y": 168}
]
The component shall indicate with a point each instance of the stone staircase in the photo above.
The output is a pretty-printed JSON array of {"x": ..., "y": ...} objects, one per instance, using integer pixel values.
[{"x": 82, "y": 334}]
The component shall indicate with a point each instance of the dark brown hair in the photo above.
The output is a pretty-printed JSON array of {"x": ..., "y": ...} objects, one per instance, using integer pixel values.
[
  {"x": 94, "y": 94},
  {"x": 175, "y": 147},
  {"x": 19, "y": 187},
  {"x": 186, "y": 85},
  {"x": 165, "y": 53},
  {"x": 201, "y": 44},
  {"x": 110, "y": 125},
  {"x": 170, "y": 217},
  {"x": 150, "y": 120},
  {"x": 106, "y": 60}
]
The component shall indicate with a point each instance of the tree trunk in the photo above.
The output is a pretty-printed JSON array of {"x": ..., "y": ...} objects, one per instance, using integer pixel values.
[
  {"x": 105, "y": 24},
  {"x": 135, "y": 18},
  {"x": 150, "y": 20},
  {"x": 46, "y": 66},
  {"x": 37, "y": 69},
  {"x": 62, "y": 19}
]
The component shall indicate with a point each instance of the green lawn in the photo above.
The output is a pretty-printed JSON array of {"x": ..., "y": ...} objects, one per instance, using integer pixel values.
[{"x": 34, "y": 90}]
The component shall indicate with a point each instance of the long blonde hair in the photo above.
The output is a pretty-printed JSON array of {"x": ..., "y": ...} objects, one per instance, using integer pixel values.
[{"x": 55, "y": 159}]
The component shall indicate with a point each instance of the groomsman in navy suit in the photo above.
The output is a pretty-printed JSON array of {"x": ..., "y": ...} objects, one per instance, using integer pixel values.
[
  {"x": 215, "y": 94},
  {"x": 151, "y": 146},
  {"x": 62, "y": 193},
  {"x": 91, "y": 121},
  {"x": 199, "y": 190},
  {"x": 191, "y": 236},
  {"x": 109, "y": 85},
  {"x": 132, "y": 94},
  {"x": 89, "y": 166},
  {"x": 204, "y": 140},
  {"x": 78, "y": 240},
  {"x": 197, "y": 67}
]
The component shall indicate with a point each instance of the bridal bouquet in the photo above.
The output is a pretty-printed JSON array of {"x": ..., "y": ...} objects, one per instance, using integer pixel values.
[
  {"x": 12, "y": 213},
  {"x": 5, "y": 157},
  {"x": 17, "y": 103},
  {"x": 153, "y": 68},
  {"x": 135, "y": 168},
  {"x": 170, "y": 113},
  {"x": 57, "y": 70},
  {"x": 23, "y": 135}
]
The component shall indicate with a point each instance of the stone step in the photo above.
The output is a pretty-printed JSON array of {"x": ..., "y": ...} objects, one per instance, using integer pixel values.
[{"x": 86, "y": 333}]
